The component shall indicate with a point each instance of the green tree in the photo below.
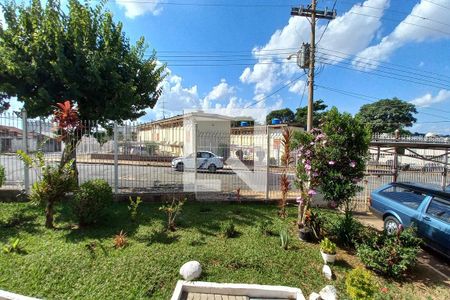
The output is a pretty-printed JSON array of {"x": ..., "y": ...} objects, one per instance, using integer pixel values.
[
  {"x": 285, "y": 115},
  {"x": 343, "y": 159},
  {"x": 301, "y": 114},
  {"x": 48, "y": 56},
  {"x": 388, "y": 115},
  {"x": 332, "y": 160}
]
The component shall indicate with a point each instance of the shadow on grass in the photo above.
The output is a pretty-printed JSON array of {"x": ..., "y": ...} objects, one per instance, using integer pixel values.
[
  {"x": 22, "y": 220},
  {"x": 207, "y": 217},
  {"x": 163, "y": 237},
  {"x": 116, "y": 219},
  {"x": 342, "y": 264}
]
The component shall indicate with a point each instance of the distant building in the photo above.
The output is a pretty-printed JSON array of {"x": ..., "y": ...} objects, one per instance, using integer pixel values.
[
  {"x": 220, "y": 134},
  {"x": 11, "y": 140}
]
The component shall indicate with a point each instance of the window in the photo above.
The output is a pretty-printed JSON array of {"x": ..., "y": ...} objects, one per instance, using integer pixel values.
[
  {"x": 407, "y": 197},
  {"x": 439, "y": 209},
  {"x": 205, "y": 155}
]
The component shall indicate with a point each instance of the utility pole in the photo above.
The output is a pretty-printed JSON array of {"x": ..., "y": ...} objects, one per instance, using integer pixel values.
[{"x": 313, "y": 14}]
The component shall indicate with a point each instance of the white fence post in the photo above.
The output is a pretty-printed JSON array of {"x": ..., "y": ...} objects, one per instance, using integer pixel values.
[
  {"x": 195, "y": 137},
  {"x": 268, "y": 164},
  {"x": 116, "y": 160},
  {"x": 445, "y": 171},
  {"x": 26, "y": 169}
]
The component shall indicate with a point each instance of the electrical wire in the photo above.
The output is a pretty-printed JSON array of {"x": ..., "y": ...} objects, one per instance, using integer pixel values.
[
  {"x": 390, "y": 75},
  {"x": 328, "y": 23},
  {"x": 437, "y": 4},
  {"x": 380, "y": 62},
  {"x": 404, "y": 13},
  {"x": 334, "y": 63},
  {"x": 276, "y": 91},
  {"x": 359, "y": 96},
  {"x": 257, "y": 5},
  {"x": 236, "y": 53},
  {"x": 416, "y": 76}
]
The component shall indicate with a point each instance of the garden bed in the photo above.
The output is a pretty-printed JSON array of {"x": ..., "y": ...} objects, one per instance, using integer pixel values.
[{"x": 70, "y": 262}]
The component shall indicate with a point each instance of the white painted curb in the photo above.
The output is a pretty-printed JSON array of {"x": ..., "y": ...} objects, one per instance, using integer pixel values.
[
  {"x": 237, "y": 289},
  {"x": 4, "y": 295}
]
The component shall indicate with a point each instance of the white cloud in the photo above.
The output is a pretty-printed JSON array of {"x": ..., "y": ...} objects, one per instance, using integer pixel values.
[
  {"x": 237, "y": 107},
  {"x": 344, "y": 33},
  {"x": 298, "y": 87},
  {"x": 135, "y": 9},
  {"x": 174, "y": 99},
  {"x": 177, "y": 99},
  {"x": 2, "y": 18},
  {"x": 406, "y": 33},
  {"x": 428, "y": 99},
  {"x": 220, "y": 91}
]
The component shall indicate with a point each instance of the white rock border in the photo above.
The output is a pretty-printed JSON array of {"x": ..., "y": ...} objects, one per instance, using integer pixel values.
[
  {"x": 236, "y": 289},
  {"x": 11, "y": 296}
]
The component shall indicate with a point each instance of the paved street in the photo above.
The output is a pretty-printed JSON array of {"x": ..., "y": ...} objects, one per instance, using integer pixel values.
[{"x": 136, "y": 176}]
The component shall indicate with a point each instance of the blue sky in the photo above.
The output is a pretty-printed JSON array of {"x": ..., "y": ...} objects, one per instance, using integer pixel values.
[{"x": 245, "y": 45}]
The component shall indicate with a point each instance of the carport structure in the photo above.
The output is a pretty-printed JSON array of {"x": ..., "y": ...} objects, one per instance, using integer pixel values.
[{"x": 433, "y": 152}]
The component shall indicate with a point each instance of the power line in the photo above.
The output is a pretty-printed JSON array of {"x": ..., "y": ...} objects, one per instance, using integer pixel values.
[
  {"x": 359, "y": 96},
  {"x": 383, "y": 62},
  {"x": 236, "y": 53},
  {"x": 328, "y": 23},
  {"x": 337, "y": 64},
  {"x": 276, "y": 91},
  {"x": 411, "y": 75},
  {"x": 257, "y": 5},
  {"x": 385, "y": 76},
  {"x": 326, "y": 58},
  {"x": 437, "y": 4},
  {"x": 401, "y": 22},
  {"x": 404, "y": 13}
]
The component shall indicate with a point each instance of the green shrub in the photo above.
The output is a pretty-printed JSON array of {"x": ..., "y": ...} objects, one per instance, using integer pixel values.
[
  {"x": 390, "y": 255},
  {"x": 91, "y": 200},
  {"x": 361, "y": 284},
  {"x": 264, "y": 227},
  {"x": 284, "y": 238},
  {"x": 327, "y": 246},
  {"x": 227, "y": 229},
  {"x": 53, "y": 184},
  {"x": 13, "y": 247},
  {"x": 2, "y": 176},
  {"x": 346, "y": 230},
  {"x": 172, "y": 210},
  {"x": 133, "y": 207}
]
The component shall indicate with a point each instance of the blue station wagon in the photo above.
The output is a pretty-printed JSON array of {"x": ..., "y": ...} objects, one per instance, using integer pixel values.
[{"x": 425, "y": 206}]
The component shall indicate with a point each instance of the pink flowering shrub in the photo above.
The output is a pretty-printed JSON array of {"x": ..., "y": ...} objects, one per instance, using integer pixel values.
[{"x": 332, "y": 159}]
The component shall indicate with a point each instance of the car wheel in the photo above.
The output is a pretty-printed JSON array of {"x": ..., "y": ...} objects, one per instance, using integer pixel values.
[
  {"x": 391, "y": 225},
  {"x": 180, "y": 167},
  {"x": 212, "y": 168}
]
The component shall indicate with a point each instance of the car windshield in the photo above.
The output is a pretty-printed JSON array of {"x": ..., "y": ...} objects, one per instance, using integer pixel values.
[{"x": 405, "y": 196}]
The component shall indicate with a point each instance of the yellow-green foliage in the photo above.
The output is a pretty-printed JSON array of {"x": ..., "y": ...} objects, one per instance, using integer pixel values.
[
  {"x": 360, "y": 284},
  {"x": 328, "y": 246},
  {"x": 2, "y": 175}
]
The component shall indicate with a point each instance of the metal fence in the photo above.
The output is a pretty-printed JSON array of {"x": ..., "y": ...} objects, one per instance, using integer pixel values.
[{"x": 134, "y": 160}]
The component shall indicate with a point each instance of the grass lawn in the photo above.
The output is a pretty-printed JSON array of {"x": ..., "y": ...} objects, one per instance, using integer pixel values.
[{"x": 59, "y": 265}]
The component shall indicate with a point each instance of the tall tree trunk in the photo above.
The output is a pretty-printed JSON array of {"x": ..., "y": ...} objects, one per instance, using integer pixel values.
[{"x": 49, "y": 215}]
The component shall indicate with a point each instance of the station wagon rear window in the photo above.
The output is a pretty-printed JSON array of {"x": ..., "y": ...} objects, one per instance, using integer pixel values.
[
  {"x": 405, "y": 196},
  {"x": 439, "y": 209}
]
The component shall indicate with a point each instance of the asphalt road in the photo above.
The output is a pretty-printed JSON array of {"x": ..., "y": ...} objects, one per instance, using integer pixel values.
[
  {"x": 140, "y": 176},
  {"x": 143, "y": 176}
]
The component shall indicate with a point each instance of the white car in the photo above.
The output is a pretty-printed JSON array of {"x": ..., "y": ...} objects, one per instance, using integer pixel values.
[{"x": 205, "y": 161}]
